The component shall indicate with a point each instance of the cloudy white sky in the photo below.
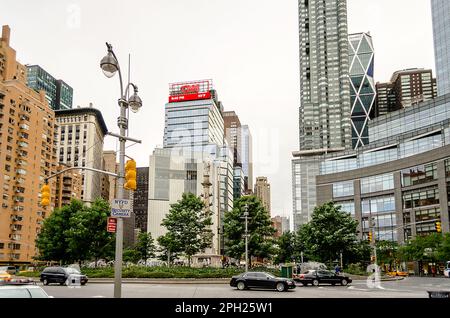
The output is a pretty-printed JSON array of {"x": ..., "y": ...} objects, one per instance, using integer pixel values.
[{"x": 248, "y": 47}]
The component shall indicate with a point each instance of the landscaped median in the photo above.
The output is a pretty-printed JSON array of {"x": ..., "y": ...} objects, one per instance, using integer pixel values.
[{"x": 174, "y": 275}]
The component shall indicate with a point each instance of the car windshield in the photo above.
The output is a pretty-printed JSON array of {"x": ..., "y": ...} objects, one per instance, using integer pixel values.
[{"x": 71, "y": 270}]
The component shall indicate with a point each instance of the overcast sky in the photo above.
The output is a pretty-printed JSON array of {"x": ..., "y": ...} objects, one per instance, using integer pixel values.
[{"x": 248, "y": 47}]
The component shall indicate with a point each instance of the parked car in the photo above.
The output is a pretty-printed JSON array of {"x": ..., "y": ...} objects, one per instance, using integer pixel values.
[
  {"x": 63, "y": 276},
  {"x": 22, "y": 290},
  {"x": 5, "y": 276},
  {"x": 9, "y": 269},
  {"x": 398, "y": 273},
  {"x": 321, "y": 276},
  {"x": 261, "y": 280}
]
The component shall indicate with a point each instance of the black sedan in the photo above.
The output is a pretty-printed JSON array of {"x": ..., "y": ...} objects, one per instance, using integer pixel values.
[
  {"x": 316, "y": 277},
  {"x": 261, "y": 280},
  {"x": 63, "y": 276}
]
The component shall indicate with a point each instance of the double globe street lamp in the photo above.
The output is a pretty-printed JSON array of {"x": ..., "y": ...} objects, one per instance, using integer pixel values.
[{"x": 110, "y": 66}]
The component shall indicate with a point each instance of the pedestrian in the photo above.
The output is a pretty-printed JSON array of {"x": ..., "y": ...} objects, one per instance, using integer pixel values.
[
  {"x": 433, "y": 271},
  {"x": 337, "y": 269}
]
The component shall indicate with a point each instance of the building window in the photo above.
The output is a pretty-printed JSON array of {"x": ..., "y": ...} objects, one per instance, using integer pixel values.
[
  {"x": 419, "y": 198},
  {"x": 347, "y": 206},
  {"x": 419, "y": 174},
  {"x": 378, "y": 205},
  {"x": 343, "y": 189},
  {"x": 377, "y": 183},
  {"x": 447, "y": 167}
]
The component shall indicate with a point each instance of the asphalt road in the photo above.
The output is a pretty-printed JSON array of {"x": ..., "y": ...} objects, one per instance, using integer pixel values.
[{"x": 411, "y": 287}]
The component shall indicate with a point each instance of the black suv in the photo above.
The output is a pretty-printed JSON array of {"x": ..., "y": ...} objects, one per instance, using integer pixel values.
[{"x": 63, "y": 276}]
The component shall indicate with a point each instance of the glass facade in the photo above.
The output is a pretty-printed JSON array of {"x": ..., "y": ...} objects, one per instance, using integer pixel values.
[
  {"x": 410, "y": 119},
  {"x": 362, "y": 86},
  {"x": 347, "y": 206},
  {"x": 59, "y": 95},
  {"x": 377, "y": 205},
  {"x": 419, "y": 174},
  {"x": 441, "y": 31},
  {"x": 343, "y": 189},
  {"x": 377, "y": 183},
  {"x": 420, "y": 198}
]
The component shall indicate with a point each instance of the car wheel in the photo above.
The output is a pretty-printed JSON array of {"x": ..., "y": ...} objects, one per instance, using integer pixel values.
[
  {"x": 241, "y": 285},
  {"x": 45, "y": 281},
  {"x": 280, "y": 287},
  {"x": 344, "y": 282},
  {"x": 315, "y": 282}
]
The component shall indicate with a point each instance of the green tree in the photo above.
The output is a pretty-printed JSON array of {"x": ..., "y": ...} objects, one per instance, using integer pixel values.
[
  {"x": 387, "y": 253},
  {"x": 285, "y": 248},
  {"x": 260, "y": 230},
  {"x": 76, "y": 233},
  {"x": 444, "y": 250},
  {"x": 145, "y": 246},
  {"x": 168, "y": 248},
  {"x": 329, "y": 233},
  {"x": 131, "y": 255},
  {"x": 189, "y": 224},
  {"x": 416, "y": 249},
  {"x": 52, "y": 241}
]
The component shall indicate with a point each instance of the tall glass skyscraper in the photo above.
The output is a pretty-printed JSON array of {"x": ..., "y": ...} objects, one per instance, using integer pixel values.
[
  {"x": 325, "y": 110},
  {"x": 362, "y": 86},
  {"x": 59, "y": 94},
  {"x": 441, "y": 29}
]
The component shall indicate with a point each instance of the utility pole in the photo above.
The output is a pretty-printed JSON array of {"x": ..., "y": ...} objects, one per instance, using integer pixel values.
[
  {"x": 373, "y": 241},
  {"x": 110, "y": 66},
  {"x": 246, "y": 235}
]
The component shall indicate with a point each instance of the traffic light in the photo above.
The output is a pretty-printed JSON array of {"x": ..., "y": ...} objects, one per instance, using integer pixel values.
[
  {"x": 438, "y": 227},
  {"x": 45, "y": 195},
  {"x": 369, "y": 238},
  {"x": 130, "y": 175}
]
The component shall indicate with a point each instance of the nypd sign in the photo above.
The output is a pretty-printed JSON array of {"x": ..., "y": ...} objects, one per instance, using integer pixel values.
[{"x": 121, "y": 208}]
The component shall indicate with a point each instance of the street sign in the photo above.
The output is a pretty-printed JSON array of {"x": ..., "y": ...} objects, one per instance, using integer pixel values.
[
  {"x": 121, "y": 208},
  {"x": 112, "y": 225}
]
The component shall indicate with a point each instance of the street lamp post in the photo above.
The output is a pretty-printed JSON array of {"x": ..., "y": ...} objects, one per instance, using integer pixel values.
[
  {"x": 110, "y": 65},
  {"x": 246, "y": 236}
]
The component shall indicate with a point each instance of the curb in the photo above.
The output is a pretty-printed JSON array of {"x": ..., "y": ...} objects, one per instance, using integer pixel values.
[{"x": 160, "y": 281}]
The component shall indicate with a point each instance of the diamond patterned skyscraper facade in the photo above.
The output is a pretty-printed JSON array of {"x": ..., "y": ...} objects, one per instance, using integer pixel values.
[{"x": 362, "y": 86}]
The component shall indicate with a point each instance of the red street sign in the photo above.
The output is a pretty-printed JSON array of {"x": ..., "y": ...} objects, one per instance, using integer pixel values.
[{"x": 112, "y": 225}]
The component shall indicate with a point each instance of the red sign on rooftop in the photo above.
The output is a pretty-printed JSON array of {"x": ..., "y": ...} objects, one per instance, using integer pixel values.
[{"x": 187, "y": 91}]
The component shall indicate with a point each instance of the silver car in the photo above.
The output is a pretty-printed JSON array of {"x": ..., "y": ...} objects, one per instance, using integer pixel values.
[{"x": 22, "y": 291}]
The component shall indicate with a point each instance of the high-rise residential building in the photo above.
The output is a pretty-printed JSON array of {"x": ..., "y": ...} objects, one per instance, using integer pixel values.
[
  {"x": 80, "y": 144},
  {"x": 362, "y": 86},
  {"x": 406, "y": 88},
  {"x": 325, "y": 110},
  {"x": 247, "y": 159},
  {"x": 27, "y": 157},
  {"x": 385, "y": 99},
  {"x": 58, "y": 93},
  {"x": 262, "y": 191},
  {"x": 441, "y": 31},
  {"x": 110, "y": 164},
  {"x": 233, "y": 134},
  {"x": 140, "y": 198},
  {"x": 281, "y": 224},
  {"x": 239, "y": 141},
  {"x": 68, "y": 186}
]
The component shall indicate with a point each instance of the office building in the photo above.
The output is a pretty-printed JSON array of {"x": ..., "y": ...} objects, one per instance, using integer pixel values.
[
  {"x": 58, "y": 93},
  {"x": 27, "y": 157},
  {"x": 140, "y": 199},
  {"x": 262, "y": 192},
  {"x": 325, "y": 110},
  {"x": 281, "y": 224},
  {"x": 362, "y": 86},
  {"x": 401, "y": 179},
  {"x": 441, "y": 31},
  {"x": 195, "y": 149},
  {"x": 406, "y": 88},
  {"x": 80, "y": 144},
  {"x": 247, "y": 159}
]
